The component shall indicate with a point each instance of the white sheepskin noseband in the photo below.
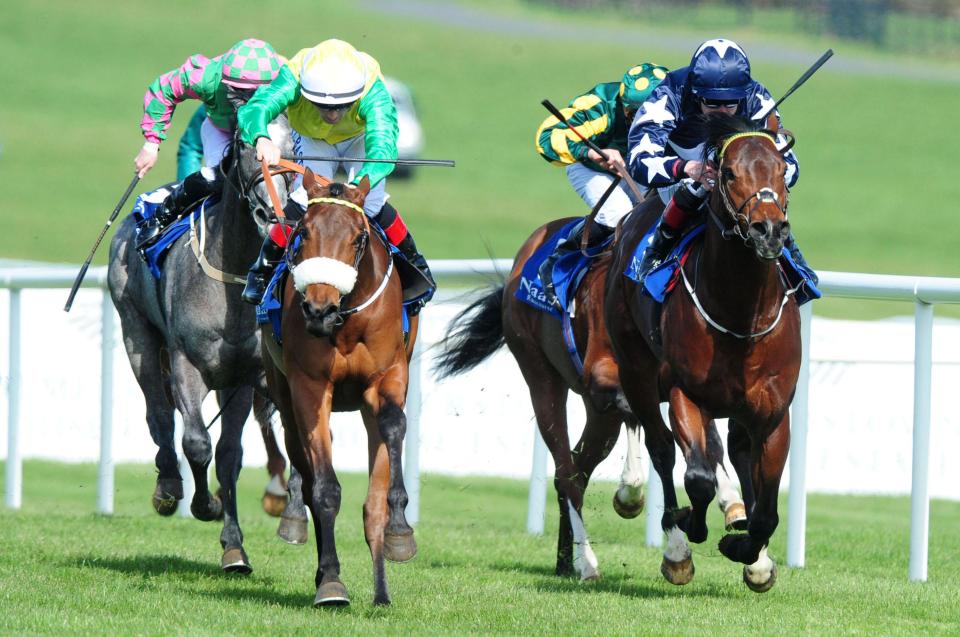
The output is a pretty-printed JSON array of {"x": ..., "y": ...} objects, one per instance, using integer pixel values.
[{"x": 327, "y": 271}]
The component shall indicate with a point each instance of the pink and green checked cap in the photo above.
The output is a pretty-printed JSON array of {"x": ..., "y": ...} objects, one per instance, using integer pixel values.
[{"x": 250, "y": 63}]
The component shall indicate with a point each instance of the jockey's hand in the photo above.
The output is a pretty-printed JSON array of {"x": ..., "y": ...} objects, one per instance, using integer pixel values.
[
  {"x": 266, "y": 149},
  {"x": 611, "y": 159},
  {"x": 705, "y": 173},
  {"x": 146, "y": 158}
]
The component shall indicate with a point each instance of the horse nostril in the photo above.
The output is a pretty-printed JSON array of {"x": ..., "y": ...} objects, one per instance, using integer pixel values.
[{"x": 761, "y": 229}]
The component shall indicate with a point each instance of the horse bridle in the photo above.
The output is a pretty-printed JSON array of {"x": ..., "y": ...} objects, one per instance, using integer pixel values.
[
  {"x": 290, "y": 254},
  {"x": 247, "y": 187},
  {"x": 742, "y": 220}
]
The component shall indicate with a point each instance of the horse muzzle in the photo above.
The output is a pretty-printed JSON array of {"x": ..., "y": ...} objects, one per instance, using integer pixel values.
[
  {"x": 768, "y": 237},
  {"x": 321, "y": 320}
]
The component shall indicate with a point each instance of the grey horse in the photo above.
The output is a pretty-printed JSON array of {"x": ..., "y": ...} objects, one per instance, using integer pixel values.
[{"x": 188, "y": 333}]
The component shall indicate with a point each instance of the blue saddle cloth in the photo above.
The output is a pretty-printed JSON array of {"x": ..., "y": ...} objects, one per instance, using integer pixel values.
[
  {"x": 144, "y": 209},
  {"x": 662, "y": 278},
  {"x": 568, "y": 271},
  {"x": 270, "y": 309}
]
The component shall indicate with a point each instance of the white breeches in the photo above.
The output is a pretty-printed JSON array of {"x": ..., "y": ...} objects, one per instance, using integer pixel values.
[
  {"x": 347, "y": 149},
  {"x": 591, "y": 184},
  {"x": 215, "y": 143}
]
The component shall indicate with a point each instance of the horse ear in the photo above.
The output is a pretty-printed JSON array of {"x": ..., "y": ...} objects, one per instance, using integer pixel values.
[
  {"x": 364, "y": 185},
  {"x": 309, "y": 180}
]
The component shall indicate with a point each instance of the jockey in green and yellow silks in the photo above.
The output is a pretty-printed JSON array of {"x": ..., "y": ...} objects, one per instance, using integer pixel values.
[
  {"x": 339, "y": 107},
  {"x": 603, "y": 115}
]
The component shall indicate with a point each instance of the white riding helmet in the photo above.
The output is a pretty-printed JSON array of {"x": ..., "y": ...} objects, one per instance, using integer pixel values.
[{"x": 333, "y": 73}]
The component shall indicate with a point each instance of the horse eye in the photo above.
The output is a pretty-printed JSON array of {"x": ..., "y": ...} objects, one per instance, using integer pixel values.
[
  {"x": 358, "y": 242},
  {"x": 727, "y": 174}
]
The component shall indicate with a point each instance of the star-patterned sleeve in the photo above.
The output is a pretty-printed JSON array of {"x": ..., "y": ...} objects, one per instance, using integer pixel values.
[
  {"x": 759, "y": 107},
  {"x": 647, "y": 141},
  {"x": 166, "y": 92}
]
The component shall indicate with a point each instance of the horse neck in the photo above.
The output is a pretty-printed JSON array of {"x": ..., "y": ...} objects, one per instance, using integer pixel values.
[
  {"x": 737, "y": 289},
  {"x": 234, "y": 239}
]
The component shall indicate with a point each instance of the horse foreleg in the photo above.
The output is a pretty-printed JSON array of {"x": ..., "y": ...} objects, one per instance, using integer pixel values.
[
  {"x": 690, "y": 424},
  {"x": 385, "y": 402},
  {"x": 311, "y": 402},
  {"x": 275, "y": 493},
  {"x": 376, "y": 513},
  {"x": 769, "y": 457},
  {"x": 229, "y": 460},
  {"x": 143, "y": 344}
]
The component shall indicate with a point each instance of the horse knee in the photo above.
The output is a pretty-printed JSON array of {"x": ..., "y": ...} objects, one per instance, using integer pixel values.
[
  {"x": 197, "y": 447},
  {"x": 326, "y": 495},
  {"x": 700, "y": 484},
  {"x": 392, "y": 423}
]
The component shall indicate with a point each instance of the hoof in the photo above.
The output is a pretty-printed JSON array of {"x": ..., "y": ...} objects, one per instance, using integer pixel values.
[
  {"x": 166, "y": 495},
  {"x": 331, "y": 594},
  {"x": 293, "y": 530},
  {"x": 207, "y": 509},
  {"x": 739, "y": 548},
  {"x": 630, "y": 504},
  {"x": 273, "y": 505},
  {"x": 735, "y": 517},
  {"x": 399, "y": 547},
  {"x": 677, "y": 573},
  {"x": 235, "y": 560},
  {"x": 759, "y": 587}
]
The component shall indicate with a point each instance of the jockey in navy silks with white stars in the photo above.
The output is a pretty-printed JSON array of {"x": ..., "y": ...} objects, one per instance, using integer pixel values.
[{"x": 665, "y": 155}]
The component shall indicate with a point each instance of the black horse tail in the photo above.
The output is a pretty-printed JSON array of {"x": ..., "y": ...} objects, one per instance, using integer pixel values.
[{"x": 474, "y": 335}]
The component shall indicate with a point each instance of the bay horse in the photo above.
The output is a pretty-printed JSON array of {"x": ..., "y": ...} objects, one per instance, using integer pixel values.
[
  {"x": 343, "y": 349},
  {"x": 726, "y": 344},
  {"x": 187, "y": 334},
  {"x": 536, "y": 342}
]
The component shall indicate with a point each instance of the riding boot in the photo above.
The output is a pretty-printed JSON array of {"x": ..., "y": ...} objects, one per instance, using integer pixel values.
[
  {"x": 193, "y": 188},
  {"x": 399, "y": 236},
  {"x": 259, "y": 275},
  {"x": 684, "y": 205},
  {"x": 566, "y": 246},
  {"x": 663, "y": 241},
  {"x": 791, "y": 245}
]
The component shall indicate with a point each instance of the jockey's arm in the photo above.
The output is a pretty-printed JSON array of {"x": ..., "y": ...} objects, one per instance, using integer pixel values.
[
  {"x": 558, "y": 144},
  {"x": 266, "y": 104},
  {"x": 380, "y": 134},
  {"x": 648, "y": 160}
]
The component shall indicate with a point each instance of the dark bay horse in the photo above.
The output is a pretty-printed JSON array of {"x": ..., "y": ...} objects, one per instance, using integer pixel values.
[
  {"x": 344, "y": 349},
  {"x": 728, "y": 346},
  {"x": 188, "y": 333},
  {"x": 535, "y": 340}
]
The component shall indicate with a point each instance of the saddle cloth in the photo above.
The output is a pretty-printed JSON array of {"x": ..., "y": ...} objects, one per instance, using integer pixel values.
[{"x": 145, "y": 208}]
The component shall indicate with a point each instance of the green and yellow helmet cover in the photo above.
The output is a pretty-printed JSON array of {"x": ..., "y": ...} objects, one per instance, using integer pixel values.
[{"x": 639, "y": 82}]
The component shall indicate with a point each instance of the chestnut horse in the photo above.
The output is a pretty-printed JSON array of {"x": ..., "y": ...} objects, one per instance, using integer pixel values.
[
  {"x": 728, "y": 347},
  {"x": 535, "y": 340},
  {"x": 343, "y": 349}
]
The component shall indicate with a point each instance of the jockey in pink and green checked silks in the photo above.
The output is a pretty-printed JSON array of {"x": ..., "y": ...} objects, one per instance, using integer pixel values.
[{"x": 223, "y": 84}]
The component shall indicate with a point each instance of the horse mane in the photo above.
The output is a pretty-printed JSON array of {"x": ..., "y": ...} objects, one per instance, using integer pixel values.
[{"x": 715, "y": 129}]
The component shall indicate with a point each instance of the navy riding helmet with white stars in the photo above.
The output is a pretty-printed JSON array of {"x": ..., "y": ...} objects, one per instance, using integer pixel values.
[{"x": 720, "y": 70}]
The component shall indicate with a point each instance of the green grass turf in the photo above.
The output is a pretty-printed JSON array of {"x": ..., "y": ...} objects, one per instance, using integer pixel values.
[
  {"x": 877, "y": 191},
  {"x": 66, "y": 570}
]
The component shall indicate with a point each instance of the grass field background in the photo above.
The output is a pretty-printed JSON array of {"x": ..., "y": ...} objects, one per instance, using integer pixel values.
[
  {"x": 66, "y": 570},
  {"x": 877, "y": 191}
]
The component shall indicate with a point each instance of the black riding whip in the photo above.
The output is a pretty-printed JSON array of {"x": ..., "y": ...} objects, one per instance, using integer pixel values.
[
  {"x": 103, "y": 233},
  {"x": 446, "y": 163}
]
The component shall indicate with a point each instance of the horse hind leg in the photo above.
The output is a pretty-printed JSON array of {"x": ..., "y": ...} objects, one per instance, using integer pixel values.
[
  {"x": 628, "y": 500},
  {"x": 229, "y": 461},
  {"x": 274, "y": 499},
  {"x": 728, "y": 498}
]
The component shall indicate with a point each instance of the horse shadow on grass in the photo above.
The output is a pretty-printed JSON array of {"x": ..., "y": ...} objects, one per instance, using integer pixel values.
[{"x": 258, "y": 589}]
